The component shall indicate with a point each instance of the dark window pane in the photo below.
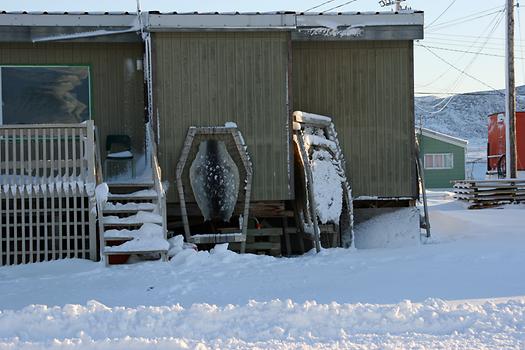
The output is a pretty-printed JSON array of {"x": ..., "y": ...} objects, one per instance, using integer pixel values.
[{"x": 40, "y": 95}]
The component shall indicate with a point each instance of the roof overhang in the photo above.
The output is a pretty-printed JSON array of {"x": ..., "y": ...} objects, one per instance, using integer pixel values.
[
  {"x": 442, "y": 137},
  {"x": 405, "y": 25},
  {"x": 223, "y": 21},
  {"x": 360, "y": 26}
]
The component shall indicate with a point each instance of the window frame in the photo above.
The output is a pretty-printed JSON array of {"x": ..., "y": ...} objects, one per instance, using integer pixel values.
[
  {"x": 434, "y": 156},
  {"x": 90, "y": 84}
]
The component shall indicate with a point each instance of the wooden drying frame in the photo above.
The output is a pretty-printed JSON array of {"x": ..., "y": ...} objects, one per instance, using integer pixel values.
[{"x": 181, "y": 165}]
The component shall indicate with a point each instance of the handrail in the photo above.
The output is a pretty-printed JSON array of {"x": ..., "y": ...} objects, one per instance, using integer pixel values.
[
  {"x": 43, "y": 126},
  {"x": 98, "y": 159},
  {"x": 157, "y": 177},
  {"x": 48, "y": 153}
]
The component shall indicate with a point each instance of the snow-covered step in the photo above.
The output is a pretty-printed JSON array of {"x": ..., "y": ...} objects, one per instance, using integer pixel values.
[
  {"x": 143, "y": 195},
  {"x": 127, "y": 208},
  {"x": 134, "y": 220},
  {"x": 139, "y": 245},
  {"x": 149, "y": 238}
]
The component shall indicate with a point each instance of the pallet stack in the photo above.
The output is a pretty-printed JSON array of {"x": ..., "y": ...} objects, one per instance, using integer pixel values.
[
  {"x": 262, "y": 241},
  {"x": 486, "y": 193}
]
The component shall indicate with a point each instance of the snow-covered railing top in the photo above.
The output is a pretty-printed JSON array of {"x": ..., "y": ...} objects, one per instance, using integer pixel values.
[{"x": 45, "y": 154}]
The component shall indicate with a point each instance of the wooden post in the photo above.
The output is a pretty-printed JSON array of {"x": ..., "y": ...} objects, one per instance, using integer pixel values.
[{"x": 510, "y": 98}]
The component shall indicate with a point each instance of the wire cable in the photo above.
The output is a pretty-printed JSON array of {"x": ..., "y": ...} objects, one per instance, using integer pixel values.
[
  {"x": 317, "y": 6},
  {"x": 460, "y": 70},
  {"x": 470, "y": 52},
  {"x": 445, "y": 103},
  {"x": 483, "y": 12},
  {"x": 460, "y": 21},
  {"x": 496, "y": 21},
  {"x": 441, "y": 14},
  {"x": 336, "y": 7},
  {"x": 472, "y": 44}
]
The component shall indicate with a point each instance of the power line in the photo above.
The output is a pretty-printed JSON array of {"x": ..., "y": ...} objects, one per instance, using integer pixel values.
[
  {"x": 441, "y": 14},
  {"x": 463, "y": 42},
  {"x": 497, "y": 20},
  {"x": 472, "y": 43},
  {"x": 459, "y": 70},
  {"x": 317, "y": 6},
  {"x": 465, "y": 36},
  {"x": 470, "y": 52},
  {"x": 488, "y": 93},
  {"x": 498, "y": 8},
  {"x": 336, "y": 7},
  {"x": 461, "y": 20}
]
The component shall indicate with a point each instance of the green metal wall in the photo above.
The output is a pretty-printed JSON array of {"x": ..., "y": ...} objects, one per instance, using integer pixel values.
[
  {"x": 117, "y": 86},
  {"x": 367, "y": 87},
  {"x": 207, "y": 79},
  {"x": 440, "y": 178}
]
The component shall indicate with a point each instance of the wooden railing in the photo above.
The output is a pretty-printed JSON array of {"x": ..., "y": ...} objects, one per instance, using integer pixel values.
[
  {"x": 157, "y": 177},
  {"x": 49, "y": 153},
  {"x": 47, "y": 181}
]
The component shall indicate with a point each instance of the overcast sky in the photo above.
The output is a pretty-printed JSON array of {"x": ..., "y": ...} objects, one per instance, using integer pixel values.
[{"x": 444, "y": 37}]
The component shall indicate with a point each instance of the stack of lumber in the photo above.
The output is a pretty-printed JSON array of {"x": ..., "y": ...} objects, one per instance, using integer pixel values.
[
  {"x": 485, "y": 193},
  {"x": 262, "y": 241}
]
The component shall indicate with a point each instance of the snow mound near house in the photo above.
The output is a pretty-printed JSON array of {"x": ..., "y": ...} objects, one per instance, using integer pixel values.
[
  {"x": 275, "y": 324},
  {"x": 399, "y": 228}
]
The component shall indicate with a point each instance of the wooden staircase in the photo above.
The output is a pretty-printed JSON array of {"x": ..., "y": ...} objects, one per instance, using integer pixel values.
[{"x": 132, "y": 224}]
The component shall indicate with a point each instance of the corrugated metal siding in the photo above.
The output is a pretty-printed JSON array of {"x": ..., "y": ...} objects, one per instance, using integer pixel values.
[
  {"x": 117, "y": 87},
  {"x": 367, "y": 87},
  {"x": 207, "y": 79}
]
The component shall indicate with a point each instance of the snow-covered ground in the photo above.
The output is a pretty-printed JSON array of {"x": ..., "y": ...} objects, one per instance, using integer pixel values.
[{"x": 463, "y": 289}]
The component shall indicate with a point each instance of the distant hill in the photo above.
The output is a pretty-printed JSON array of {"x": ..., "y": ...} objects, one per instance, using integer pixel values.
[{"x": 466, "y": 114}]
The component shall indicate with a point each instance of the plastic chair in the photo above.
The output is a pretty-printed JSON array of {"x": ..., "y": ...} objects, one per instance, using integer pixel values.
[{"x": 118, "y": 148}]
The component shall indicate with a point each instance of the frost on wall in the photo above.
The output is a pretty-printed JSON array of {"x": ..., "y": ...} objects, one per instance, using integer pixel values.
[{"x": 214, "y": 179}]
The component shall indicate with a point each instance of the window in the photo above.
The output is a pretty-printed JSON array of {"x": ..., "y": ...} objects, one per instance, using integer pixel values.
[
  {"x": 439, "y": 161},
  {"x": 44, "y": 94}
]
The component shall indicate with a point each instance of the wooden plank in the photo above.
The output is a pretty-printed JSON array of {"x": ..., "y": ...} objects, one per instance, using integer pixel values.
[
  {"x": 22, "y": 195},
  {"x": 60, "y": 192},
  {"x": 273, "y": 231}
]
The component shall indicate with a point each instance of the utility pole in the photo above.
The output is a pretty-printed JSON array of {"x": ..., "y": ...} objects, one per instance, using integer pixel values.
[{"x": 510, "y": 96}]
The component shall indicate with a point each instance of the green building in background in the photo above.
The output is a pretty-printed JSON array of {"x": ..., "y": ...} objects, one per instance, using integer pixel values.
[{"x": 442, "y": 156}]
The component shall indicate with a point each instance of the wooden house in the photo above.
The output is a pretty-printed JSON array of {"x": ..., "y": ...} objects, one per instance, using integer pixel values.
[
  {"x": 443, "y": 158},
  {"x": 68, "y": 80}
]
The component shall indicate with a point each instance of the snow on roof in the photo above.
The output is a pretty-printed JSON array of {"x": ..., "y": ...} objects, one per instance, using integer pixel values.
[
  {"x": 442, "y": 137},
  {"x": 211, "y": 19}
]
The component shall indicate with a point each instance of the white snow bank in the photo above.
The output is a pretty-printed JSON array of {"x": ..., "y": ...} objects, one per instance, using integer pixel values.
[
  {"x": 275, "y": 324},
  {"x": 399, "y": 228},
  {"x": 177, "y": 245}
]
